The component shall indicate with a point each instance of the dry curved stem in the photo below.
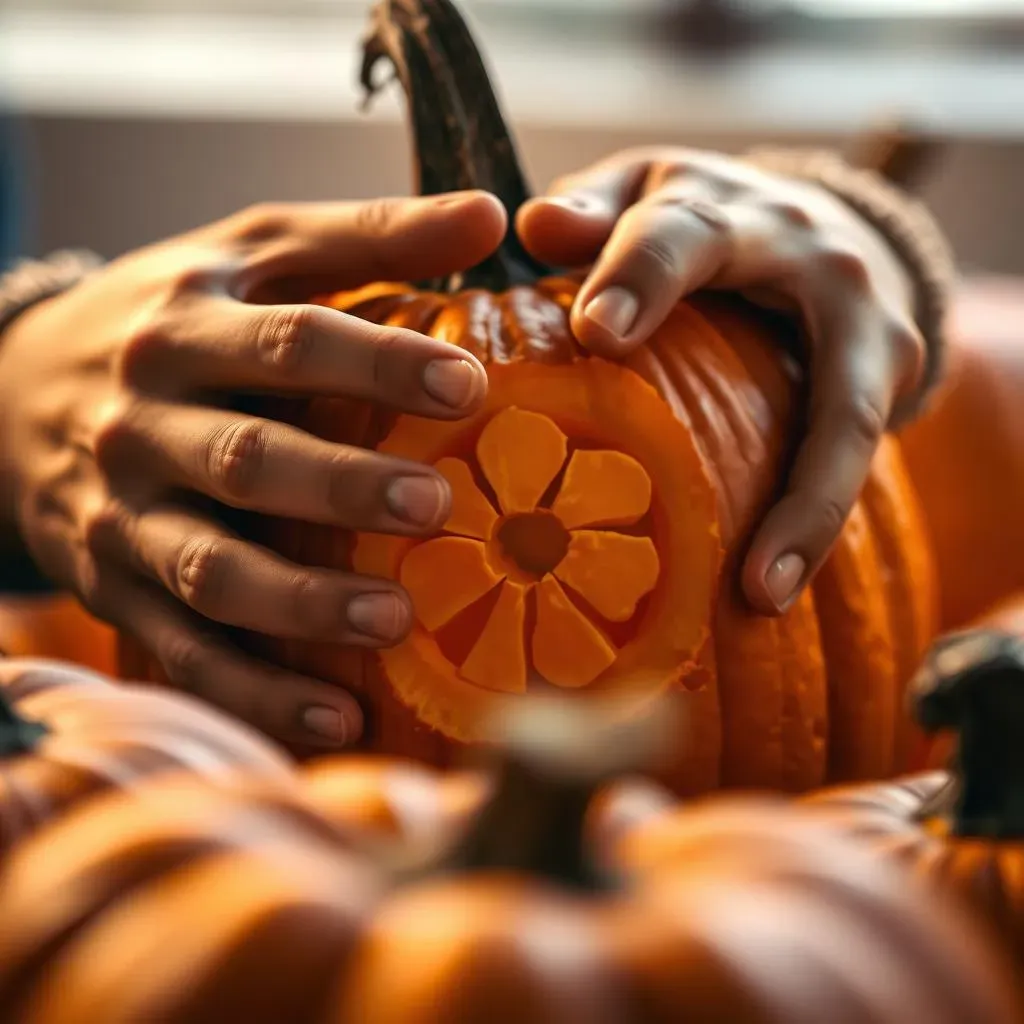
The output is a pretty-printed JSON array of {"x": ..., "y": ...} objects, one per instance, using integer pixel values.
[{"x": 460, "y": 137}]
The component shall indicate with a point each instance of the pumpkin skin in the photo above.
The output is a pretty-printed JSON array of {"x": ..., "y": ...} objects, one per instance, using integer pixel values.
[
  {"x": 961, "y": 830},
  {"x": 964, "y": 457},
  {"x": 286, "y": 921},
  {"x": 634, "y": 489},
  {"x": 67, "y": 734},
  {"x": 58, "y": 628}
]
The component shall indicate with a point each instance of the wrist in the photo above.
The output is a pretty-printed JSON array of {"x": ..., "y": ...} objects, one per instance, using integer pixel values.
[{"x": 915, "y": 246}]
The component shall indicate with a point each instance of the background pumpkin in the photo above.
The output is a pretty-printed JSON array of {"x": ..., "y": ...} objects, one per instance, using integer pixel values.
[
  {"x": 67, "y": 734},
  {"x": 961, "y": 830},
  {"x": 200, "y": 905},
  {"x": 56, "y": 627},
  {"x": 650, "y": 476}
]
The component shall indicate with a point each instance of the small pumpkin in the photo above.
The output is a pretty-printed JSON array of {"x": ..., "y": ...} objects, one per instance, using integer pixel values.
[
  {"x": 601, "y": 510},
  {"x": 68, "y": 734},
  {"x": 963, "y": 829},
  {"x": 196, "y": 905}
]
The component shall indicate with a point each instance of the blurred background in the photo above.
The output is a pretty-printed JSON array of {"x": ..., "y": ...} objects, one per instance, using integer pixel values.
[{"x": 135, "y": 119}]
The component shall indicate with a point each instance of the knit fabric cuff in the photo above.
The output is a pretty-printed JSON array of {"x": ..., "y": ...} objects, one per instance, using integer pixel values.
[
  {"x": 905, "y": 223},
  {"x": 30, "y": 281}
]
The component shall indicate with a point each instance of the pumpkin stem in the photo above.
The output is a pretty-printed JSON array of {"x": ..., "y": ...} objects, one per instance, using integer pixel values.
[
  {"x": 973, "y": 684},
  {"x": 460, "y": 138},
  {"x": 554, "y": 757},
  {"x": 17, "y": 735}
]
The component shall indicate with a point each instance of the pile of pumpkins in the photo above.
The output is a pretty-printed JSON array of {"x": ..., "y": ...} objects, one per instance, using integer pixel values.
[{"x": 161, "y": 864}]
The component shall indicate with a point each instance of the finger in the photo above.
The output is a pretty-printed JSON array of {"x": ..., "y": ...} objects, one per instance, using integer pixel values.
[
  {"x": 283, "y": 704},
  {"x": 226, "y": 345},
  {"x": 276, "y": 469},
  {"x": 568, "y": 226},
  {"x": 231, "y": 581},
  {"x": 344, "y": 245},
  {"x": 666, "y": 246},
  {"x": 853, "y": 382}
]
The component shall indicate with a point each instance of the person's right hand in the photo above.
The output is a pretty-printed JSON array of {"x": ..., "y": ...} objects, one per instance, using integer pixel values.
[{"x": 112, "y": 442}]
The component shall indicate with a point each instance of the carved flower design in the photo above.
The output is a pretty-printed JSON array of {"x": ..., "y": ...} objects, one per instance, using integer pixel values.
[{"x": 544, "y": 542}]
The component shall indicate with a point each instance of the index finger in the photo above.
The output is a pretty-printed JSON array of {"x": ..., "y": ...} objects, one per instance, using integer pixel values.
[
  {"x": 287, "y": 252},
  {"x": 853, "y": 383}
]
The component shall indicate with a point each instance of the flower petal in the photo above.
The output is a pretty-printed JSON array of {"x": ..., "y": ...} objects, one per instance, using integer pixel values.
[
  {"x": 520, "y": 453},
  {"x": 472, "y": 514},
  {"x": 498, "y": 659},
  {"x": 602, "y": 488},
  {"x": 612, "y": 571},
  {"x": 568, "y": 649},
  {"x": 445, "y": 575}
]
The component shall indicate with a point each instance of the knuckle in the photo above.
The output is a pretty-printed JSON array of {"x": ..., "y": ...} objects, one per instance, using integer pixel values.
[
  {"x": 285, "y": 336},
  {"x": 843, "y": 262},
  {"x": 347, "y": 493},
  {"x": 104, "y": 525},
  {"x": 656, "y": 255},
  {"x": 864, "y": 421},
  {"x": 375, "y": 217},
  {"x": 301, "y": 593},
  {"x": 831, "y": 515},
  {"x": 147, "y": 339},
  {"x": 791, "y": 213},
  {"x": 905, "y": 341},
  {"x": 113, "y": 432},
  {"x": 199, "y": 574},
  {"x": 185, "y": 661},
  {"x": 261, "y": 222},
  {"x": 186, "y": 281},
  {"x": 235, "y": 457}
]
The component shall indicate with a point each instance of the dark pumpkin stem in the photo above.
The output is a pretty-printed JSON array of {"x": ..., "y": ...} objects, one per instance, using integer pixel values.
[
  {"x": 554, "y": 757},
  {"x": 973, "y": 684},
  {"x": 17, "y": 734},
  {"x": 460, "y": 138}
]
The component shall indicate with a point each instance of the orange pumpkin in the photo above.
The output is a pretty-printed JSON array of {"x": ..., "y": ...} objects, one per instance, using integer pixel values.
[
  {"x": 962, "y": 830},
  {"x": 56, "y": 627},
  {"x": 600, "y": 511},
  {"x": 964, "y": 458},
  {"x": 195, "y": 905},
  {"x": 67, "y": 734}
]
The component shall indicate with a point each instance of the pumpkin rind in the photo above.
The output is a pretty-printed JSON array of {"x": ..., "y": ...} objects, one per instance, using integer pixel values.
[
  {"x": 94, "y": 735},
  {"x": 285, "y": 921}
]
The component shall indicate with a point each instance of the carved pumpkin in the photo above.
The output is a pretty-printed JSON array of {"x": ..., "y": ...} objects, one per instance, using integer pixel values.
[
  {"x": 67, "y": 734},
  {"x": 198, "y": 905},
  {"x": 961, "y": 830},
  {"x": 600, "y": 511},
  {"x": 59, "y": 628}
]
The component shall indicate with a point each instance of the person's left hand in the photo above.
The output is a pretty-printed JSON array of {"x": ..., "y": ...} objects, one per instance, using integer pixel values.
[{"x": 660, "y": 224}]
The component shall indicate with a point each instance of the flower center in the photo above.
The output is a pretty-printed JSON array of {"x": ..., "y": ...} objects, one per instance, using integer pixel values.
[{"x": 530, "y": 544}]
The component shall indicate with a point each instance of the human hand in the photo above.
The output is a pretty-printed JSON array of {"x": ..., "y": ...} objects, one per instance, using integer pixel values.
[
  {"x": 117, "y": 457},
  {"x": 660, "y": 224}
]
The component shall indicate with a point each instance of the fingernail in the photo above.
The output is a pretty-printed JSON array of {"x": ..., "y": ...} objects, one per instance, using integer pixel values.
[
  {"x": 614, "y": 310},
  {"x": 383, "y": 616},
  {"x": 783, "y": 578},
  {"x": 452, "y": 381},
  {"x": 418, "y": 500},
  {"x": 330, "y": 723}
]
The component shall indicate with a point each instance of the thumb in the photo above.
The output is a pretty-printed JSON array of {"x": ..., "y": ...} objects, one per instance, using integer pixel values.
[{"x": 570, "y": 224}]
